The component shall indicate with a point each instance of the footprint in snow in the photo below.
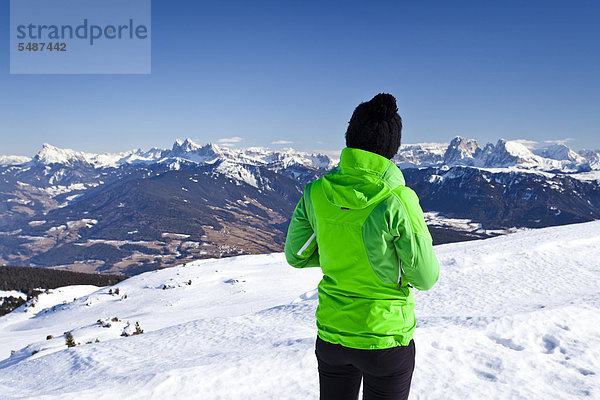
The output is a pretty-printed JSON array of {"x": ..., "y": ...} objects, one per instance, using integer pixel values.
[
  {"x": 486, "y": 376},
  {"x": 438, "y": 346},
  {"x": 234, "y": 281},
  {"x": 310, "y": 295},
  {"x": 585, "y": 372},
  {"x": 550, "y": 343},
  {"x": 508, "y": 343}
]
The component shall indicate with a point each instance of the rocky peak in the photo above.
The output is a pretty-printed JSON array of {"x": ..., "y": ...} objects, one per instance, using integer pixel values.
[
  {"x": 192, "y": 151},
  {"x": 462, "y": 151}
]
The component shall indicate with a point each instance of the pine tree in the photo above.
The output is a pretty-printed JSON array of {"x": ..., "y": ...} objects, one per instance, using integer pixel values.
[{"x": 69, "y": 340}]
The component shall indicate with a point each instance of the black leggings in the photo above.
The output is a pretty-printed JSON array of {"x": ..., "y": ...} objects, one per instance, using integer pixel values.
[{"x": 387, "y": 372}]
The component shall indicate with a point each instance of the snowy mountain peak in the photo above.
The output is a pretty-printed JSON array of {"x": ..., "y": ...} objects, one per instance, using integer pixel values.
[
  {"x": 186, "y": 145},
  {"x": 53, "y": 155},
  {"x": 461, "y": 151},
  {"x": 509, "y": 153},
  {"x": 559, "y": 152},
  {"x": 514, "y": 148},
  {"x": 410, "y": 155},
  {"x": 192, "y": 151}
]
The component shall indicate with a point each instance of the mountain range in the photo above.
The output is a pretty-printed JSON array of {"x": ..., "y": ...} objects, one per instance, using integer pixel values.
[{"x": 140, "y": 210}]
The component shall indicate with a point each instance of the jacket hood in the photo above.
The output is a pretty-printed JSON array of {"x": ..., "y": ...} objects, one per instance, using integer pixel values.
[{"x": 361, "y": 179}]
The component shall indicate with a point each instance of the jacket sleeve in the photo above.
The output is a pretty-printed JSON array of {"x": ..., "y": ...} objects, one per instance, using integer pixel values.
[
  {"x": 413, "y": 243},
  {"x": 301, "y": 248}
]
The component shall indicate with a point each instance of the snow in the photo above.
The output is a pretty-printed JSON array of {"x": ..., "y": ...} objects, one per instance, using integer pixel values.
[
  {"x": 511, "y": 317},
  {"x": 238, "y": 171},
  {"x": 241, "y": 164},
  {"x": 517, "y": 149},
  {"x": 19, "y": 201},
  {"x": 36, "y": 223},
  {"x": 11, "y": 293},
  {"x": 504, "y": 154},
  {"x": 53, "y": 155},
  {"x": 560, "y": 152},
  {"x": 420, "y": 155},
  {"x": 13, "y": 160},
  {"x": 73, "y": 197},
  {"x": 87, "y": 222},
  {"x": 56, "y": 228},
  {"x": 175, "y": 235},
  {"x": 182, "y": 150},
  {"x": 436, "y": 219},
  {"x": 588, "y": 176},
  {"x": 60, "y": 189}
]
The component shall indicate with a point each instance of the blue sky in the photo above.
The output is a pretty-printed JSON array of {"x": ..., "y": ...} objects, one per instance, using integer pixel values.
[{"x": 294, "y": 71}]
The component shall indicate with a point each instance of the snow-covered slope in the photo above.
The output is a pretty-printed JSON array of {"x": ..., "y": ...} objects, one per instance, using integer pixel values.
[
  {"x": 13, "y": 160},
  {"x": 511, "y": 317},
  {"x": 560, "y": 152}
]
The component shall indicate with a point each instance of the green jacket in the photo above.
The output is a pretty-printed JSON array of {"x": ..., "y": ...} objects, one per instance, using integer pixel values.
[{"x": 366, "y": 230}]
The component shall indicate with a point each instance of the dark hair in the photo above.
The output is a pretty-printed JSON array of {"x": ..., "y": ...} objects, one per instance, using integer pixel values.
[{"x": 375, "y": 126}]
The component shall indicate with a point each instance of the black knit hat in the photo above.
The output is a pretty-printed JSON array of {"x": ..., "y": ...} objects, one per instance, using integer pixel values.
[{"x": 375, "y": 126}]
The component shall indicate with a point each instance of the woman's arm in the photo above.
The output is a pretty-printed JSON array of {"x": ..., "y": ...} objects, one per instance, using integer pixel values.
[
  {"x": 413, "y": 243},
  {"x": 301, "y": 249}
]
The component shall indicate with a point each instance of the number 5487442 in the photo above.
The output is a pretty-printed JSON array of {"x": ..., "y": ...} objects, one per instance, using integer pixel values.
[{"x": 43, "y": 46}]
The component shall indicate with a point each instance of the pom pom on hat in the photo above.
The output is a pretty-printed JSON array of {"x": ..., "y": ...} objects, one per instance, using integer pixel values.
[{"x": 381, "y": 107}]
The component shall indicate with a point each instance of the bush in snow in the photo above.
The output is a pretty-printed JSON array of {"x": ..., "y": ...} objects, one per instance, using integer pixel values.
[
  {"x": 126, "y": 331},
  {"x": 49, "y": 337},
  {"x": 103, "y": 323},
  {"x": 33, "y": 301},
  {"x": 138, "y": 329}
]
